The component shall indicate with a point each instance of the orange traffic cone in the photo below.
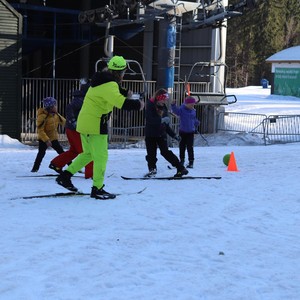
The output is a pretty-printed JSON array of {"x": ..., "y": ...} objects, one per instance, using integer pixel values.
[{"x": 232, "y": 164}]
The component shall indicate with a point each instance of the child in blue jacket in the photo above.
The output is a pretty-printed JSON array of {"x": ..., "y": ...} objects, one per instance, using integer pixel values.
[{"x": 187, "y": 127}]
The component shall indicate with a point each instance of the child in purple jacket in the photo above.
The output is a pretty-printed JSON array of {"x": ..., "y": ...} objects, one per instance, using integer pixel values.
[{"x": 187, "y": 127}]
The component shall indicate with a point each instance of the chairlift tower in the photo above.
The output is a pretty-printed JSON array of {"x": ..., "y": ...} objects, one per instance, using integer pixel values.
[{"x": 169, "y": 44}]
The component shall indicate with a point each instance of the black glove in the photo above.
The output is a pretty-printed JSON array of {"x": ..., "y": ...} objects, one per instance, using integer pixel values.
[
  {"x": 72, "y": 123},
  {"x": 142, "y": 96},
  {"x": 177, "y": 138}
]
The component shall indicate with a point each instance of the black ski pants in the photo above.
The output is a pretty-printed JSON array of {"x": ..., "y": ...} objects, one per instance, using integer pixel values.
[
  {"x": 42, "y": 151},
  {"x": 186, "y": 143},
  {"x": 152, "y": 143}
]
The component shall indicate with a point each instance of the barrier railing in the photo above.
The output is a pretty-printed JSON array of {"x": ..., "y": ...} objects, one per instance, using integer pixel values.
[
  {"x": 241, "y": 122},
  {"x": 35, "y": 89},
  {"x": 282, "y": 129},
  {"x": 272, "y": 129},
  {"x": 127, "y": 128}
]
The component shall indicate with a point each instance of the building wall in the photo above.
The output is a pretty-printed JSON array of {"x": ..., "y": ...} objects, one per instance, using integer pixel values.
[
  {"x": 286, "y": 79},
  {"x": 10, "y": 71}
]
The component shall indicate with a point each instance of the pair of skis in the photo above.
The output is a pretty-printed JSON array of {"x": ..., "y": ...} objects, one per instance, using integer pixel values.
[
  {"x": 75, "y": 194},
  {"x": 137, "y": 178},
  {"x": 78, "y": 194},
  {"x": 170, "y": 177}
]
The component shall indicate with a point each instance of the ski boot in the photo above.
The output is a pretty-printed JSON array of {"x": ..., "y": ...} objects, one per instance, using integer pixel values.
[
  {"x": 190, "y": 165},
  {"x": 34, "y": 169},
  {"x": 101, "y": 194},
  {"x": 181, "y": 171},
  {"x": 56, "y": 169},
  {"x": 152, "y": 172},
  {"x": 64, "y": 179}
]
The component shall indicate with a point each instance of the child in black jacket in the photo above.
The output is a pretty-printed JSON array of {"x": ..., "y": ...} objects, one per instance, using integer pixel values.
[{"x": 156, "y": 131}]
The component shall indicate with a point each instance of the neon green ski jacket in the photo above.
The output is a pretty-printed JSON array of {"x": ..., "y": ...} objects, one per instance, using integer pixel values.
[{"x": 97, "y": 106}]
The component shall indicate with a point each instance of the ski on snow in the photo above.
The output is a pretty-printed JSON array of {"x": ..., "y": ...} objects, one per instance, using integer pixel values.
[
  {"x": 51, "y": 175},
  {"x": 171, "y": 178},
  {"x": 66, "y": 194},
  {"x": 45, "y": 175},
  {"x": 74, "y": 194}
]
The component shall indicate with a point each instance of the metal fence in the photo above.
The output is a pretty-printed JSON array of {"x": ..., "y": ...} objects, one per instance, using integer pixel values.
[
  {"x": 33, "y": 91},
  {"x": 241, "y": 122},
  {"x": 125, "y": 127},
  {"x": 272, "y": 129},
  {"x": 282, "y": 129}
]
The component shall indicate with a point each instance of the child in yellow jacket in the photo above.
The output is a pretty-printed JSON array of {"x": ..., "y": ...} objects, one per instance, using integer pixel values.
[{"x": 47, "y": 123}]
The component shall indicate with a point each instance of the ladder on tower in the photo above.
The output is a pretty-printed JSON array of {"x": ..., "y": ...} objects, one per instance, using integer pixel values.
[{"x": 177, "y": 56}]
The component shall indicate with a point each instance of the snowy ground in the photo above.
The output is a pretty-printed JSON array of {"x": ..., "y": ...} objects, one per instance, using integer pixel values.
[
  {"x": 236, "y": 238},
  {"x": 259, "y": 101}
]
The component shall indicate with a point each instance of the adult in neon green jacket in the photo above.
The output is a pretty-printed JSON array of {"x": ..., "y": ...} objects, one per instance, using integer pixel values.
[{"x": 103, "y": 95}]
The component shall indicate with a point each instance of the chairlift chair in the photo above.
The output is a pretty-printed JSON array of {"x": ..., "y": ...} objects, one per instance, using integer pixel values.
[
  {"x": 213, "y": 96},
  {"x": 133, "y": 69}
]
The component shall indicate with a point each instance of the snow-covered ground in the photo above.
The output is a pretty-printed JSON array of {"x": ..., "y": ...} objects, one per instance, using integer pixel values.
[
  {"x": 236, "y": 238},
  {"x": 257, "y": 100}
]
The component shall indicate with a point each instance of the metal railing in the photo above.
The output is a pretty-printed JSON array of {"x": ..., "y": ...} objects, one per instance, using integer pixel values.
[
  {"x": 35, "y": 89},
  {"x": 241, "y": 122},
  {"x": 282, "y": 129},
  {"x": 125, "y": 127},
  {"x": 272, "y": 129}
]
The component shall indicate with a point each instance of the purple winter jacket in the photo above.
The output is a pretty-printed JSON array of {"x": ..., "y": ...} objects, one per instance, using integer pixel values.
[{"x": 188, "y": 119}]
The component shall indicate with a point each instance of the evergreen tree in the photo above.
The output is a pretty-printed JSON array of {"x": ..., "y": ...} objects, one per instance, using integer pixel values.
[
  {"x": 292, "y": 27},
  {"x": 269, "y": 38},
  {"x": 253, "y": 37},
  {"x": 240, "y": 55}
]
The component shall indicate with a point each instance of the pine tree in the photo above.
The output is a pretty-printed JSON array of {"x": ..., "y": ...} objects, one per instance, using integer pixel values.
[
  {"x": 253, "y": 37},
  {"x": 292, "y": 27},
  {"x": 240, "y": 55}
]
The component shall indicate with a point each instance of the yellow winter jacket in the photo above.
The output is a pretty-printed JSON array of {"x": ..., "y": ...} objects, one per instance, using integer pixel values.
[{"x": 47, "y": 124}]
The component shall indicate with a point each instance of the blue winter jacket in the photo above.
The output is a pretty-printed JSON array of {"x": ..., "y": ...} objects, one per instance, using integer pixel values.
[{"x": 73, "y": 109}]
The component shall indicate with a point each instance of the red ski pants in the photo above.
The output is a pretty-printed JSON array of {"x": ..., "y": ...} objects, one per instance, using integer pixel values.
[{"x": 75, "y": 148}]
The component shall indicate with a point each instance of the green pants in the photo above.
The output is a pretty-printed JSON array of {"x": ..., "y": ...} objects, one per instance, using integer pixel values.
[{"x": 95, "y": 149}]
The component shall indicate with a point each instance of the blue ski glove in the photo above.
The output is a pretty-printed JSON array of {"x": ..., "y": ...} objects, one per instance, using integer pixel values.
[{"x": 165, "y": 120}]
